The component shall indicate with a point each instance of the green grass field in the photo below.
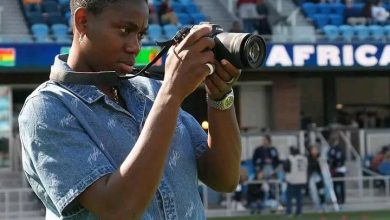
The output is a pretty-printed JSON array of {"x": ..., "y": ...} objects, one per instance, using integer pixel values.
[{"x": 364, "y": 215}]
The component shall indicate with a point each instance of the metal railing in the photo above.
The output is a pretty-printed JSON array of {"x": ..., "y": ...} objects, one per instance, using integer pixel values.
[
  {"x": 370, "y": 193},
  {"x": 18, "y": 203}
]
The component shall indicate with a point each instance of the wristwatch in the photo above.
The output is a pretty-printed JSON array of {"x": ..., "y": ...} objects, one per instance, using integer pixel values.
[{"x": 225, "y": 103}]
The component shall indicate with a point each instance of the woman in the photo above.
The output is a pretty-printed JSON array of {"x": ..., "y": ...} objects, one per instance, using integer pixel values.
[{"x": 128, "y": 151}]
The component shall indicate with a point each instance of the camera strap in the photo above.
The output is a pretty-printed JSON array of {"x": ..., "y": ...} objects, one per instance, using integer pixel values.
[{"x": 113, "y": 78}]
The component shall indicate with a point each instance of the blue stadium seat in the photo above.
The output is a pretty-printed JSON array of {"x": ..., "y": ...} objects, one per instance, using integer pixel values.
[
  {"x": 41, "y": 33},
  {"x": 309, "y": 9},
  {"x": 35, "y": 18},
  {"x": 170, "y": 30},
  {"x": 63, "y": 39},
  {"x": 59, "y": 30},
  {"x": 362, "y": 32},
  {"x": 336, "y": 19},
  {"x": 185, "y": 1},
  {"x": 56, "y": 17},
  {"x": 184, "y": 18},
  {"x": 320, "y": 20},
  {"x": 198, "y": 17},
  {"x": 191, "y": 8},
  {"x": 331, "y": 32},
  {"x": 338, "y": 8},
  {"x": 346, "y": 32},
  {"x": 50, "y": 6},
  {"x": 155, "y": 32},
  {"x": 63, "y": 2},
  {"x": 358, "y": 7},
  {"x": 377, "y": 32},
  {"x": 387, "y": 31},
  {"x": 177, "y": 7},
  {"x": 324, "y": 8},
  {"x": 32, "y": 8},
  {"x": 40, "y": 29}
]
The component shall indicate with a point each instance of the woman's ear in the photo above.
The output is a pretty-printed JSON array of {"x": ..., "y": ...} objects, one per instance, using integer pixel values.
[{"x": 80, "y": 20}]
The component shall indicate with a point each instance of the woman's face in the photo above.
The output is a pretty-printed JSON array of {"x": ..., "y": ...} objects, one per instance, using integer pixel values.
[{"x": 113, "y": 36}]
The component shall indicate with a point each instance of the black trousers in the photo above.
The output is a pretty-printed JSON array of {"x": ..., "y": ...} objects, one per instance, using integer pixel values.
[{"x": 339, "y": 188}]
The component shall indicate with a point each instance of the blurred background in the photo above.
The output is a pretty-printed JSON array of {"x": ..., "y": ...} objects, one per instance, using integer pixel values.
[{"x": 324, "y": 88}]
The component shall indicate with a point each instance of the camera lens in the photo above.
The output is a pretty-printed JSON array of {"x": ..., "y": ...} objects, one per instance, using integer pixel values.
[{"x": 254, "y": 50}]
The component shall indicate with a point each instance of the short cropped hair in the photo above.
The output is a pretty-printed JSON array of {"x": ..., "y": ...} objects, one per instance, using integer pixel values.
[{"x": 94, "y": 6}]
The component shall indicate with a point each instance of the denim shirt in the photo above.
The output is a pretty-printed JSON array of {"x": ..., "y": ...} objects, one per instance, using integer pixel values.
[{"x": 74, "y": 134}]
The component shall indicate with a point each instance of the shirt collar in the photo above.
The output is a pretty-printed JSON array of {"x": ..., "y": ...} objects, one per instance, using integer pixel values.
[{"x": 88, "y": 93}]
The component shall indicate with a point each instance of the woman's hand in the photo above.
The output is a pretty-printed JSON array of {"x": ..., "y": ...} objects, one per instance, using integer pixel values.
[
  {"x": 186, "y": 68},
  {"x": 220, "y": 83}
]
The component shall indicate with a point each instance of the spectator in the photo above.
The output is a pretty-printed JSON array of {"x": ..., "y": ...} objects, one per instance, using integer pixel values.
[
  {"x": 247, "y": 12},
  {"x": 261, "y": 23},
  {"x": 379, "y": 158},
  {"x": 352, "y": 16},
  {"x": 367, "y": 11},
  {"x": 379, "y": 13},
  {"x": 265, "y": 160},
  {"x": 296, "y": 177},
  {"x": 238, "y": 196},
  {"x": 153, "y": 17},
  {"x": 166, "y": 13},
  {"x": 266, "y": 157},
  {"x": 316, "y": 184},
  {"x": 384, "y": 167},
  {"x": 336, "y": 159},
  {"x": 236, "y": 27}
]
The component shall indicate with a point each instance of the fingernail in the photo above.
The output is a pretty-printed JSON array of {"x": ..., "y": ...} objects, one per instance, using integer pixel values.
[{"x": 224, "y": 62}]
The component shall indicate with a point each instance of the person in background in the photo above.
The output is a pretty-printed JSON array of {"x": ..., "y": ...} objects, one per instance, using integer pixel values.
[
  {"x": 166, "y": 14},
  {"x": 316, "y": 185},
  {"x": 261, "y": 23},
  {"x": 336, "y": 160},
  {"x": 247, "y": 12},
  {"x": 296, "y": 177},
  {"x": 265, "y": 160},
  {"x": 384, "y": 166},
  {"x": 352, "y": 16},
  {"x": 377, "y": 160},
  {"x": 379, "y": 14}
]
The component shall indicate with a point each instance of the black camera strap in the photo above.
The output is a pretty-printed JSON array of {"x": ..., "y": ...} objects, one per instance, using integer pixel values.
[{"x": 113, "y": 78}]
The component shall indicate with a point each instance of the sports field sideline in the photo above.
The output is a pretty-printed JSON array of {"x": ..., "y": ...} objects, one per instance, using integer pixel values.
[{"x": 364, "y": 215}]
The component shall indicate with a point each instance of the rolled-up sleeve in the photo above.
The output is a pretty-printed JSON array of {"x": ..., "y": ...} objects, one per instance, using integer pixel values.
[
  {"x": 197, "y": 134},
  {"x": 59, "y": 157}
]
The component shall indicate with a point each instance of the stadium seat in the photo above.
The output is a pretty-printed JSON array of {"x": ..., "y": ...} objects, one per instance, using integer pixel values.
[
  {"x": 177, "y": 7},
  {"x": 185, "y": 1},
  {"x": 50, "y": 6},
  {"x": 155, "y": 32},
  {"x": 40, "y": 30},
  {"x": 32, "y": 8},
  {"x": 63, "y": 2},
  {"x": 320, "y": 20},
  {"x": 55, "y": 18},
  {"x": 336, "y": 19},
  {"x": 170, "y": 30},
  {"x": 309, "y": 9},
  {"x": 362, "y": 32},
  {"x": 191, "y": 8},
  {"x": 198, "y": 17},
  {"x": 346, "y": 32},
  {"x": 331, "y": 32},
  {"x": 63, "y": 40},
  {"x": 324, "y": 8},
  {"x": 59, "y": 30},
  {"x": 338, "y": 8},
  {"x": 377, "y": 32},
  {"x": 35, "y": 18},
  {"x": 387, "y": 31},
  {"x": 184, "y": 18}
]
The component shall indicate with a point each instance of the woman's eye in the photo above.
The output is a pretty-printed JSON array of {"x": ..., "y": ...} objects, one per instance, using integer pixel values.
[{"x": 125, "y": 30}]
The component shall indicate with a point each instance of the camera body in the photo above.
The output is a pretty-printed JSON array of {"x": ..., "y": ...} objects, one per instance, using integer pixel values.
[{"x": 243, "y": 50}]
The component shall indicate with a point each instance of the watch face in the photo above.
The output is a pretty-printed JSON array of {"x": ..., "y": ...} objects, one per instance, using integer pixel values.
[{"x": 229, "y": 101}]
